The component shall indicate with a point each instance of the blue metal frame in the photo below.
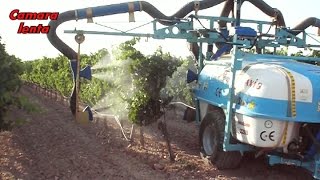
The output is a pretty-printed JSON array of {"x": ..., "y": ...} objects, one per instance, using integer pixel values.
[{"x": 235, "y": 65}]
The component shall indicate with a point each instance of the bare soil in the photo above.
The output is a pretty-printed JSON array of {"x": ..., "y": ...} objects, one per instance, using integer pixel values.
[{"x": 51, "y": 145}]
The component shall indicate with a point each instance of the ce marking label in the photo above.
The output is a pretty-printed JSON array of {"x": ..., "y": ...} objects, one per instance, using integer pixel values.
[{"x": 264, "y": 135}]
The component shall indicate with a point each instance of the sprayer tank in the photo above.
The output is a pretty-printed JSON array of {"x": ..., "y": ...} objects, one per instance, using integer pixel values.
[{"x": 271, "y": 96}]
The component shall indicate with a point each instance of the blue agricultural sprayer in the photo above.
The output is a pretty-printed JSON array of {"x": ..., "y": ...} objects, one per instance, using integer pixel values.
[{"x": 247, "y": 98}]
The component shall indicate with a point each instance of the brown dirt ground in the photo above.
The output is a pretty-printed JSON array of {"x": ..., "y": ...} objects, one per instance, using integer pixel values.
[{"x": 51, "y": 145}]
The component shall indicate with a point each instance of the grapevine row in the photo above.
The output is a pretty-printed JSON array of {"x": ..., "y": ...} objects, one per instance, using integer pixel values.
[{"x": 149, "y": 76}]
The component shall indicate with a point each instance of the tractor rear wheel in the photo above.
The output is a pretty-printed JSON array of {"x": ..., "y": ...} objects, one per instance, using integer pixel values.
[{"x": 211, "y": 142}]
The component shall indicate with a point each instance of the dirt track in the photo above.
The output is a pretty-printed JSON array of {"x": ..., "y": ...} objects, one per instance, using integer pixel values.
[{"x": 50, "y": 145}]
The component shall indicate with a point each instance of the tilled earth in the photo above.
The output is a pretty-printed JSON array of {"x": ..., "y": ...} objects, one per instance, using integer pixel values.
[{"x": 51, "y": 145}]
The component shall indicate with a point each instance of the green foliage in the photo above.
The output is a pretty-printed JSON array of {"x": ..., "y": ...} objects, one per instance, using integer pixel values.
[
  {"x": 300, "y": 53},
  {"x": 19, "y": 102},
  {"x": 92, "y": 91},
  {"x": 131, "y": 84},
  {"x": 315, "y": 53},
  {"x": 297, "y": 54},
  {"x": 126, "y": 51},
  {"x": 10, "y": 70},
  {"x": 149, "y": 76},
  {"x": 177, "y": 88},
  {"x": 50, "y": 73},
  {"x": 282, "y": 51},
  {"x": 55, "y": 74},
  {"x": 22, "y": 102},
  {"x": 309, "y": 53}
]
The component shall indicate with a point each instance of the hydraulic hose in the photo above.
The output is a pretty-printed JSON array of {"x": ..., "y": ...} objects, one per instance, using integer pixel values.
[
  {"x": 311, "y": 21},
  {"x": 227, "y": 8},
  {"x": 183, "y": 12},
  {"x": 117, "y": 9},
  {"x": 268, "y": 10},
  {"x": 260, "y": 4},
  {"x": 130, "y": 7}
]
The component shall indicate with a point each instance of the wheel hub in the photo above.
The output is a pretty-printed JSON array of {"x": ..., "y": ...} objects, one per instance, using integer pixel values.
[{"x": 208, "y": 140}]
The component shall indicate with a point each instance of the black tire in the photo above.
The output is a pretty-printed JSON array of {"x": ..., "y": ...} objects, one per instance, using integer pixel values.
[{"x": 211, "y": 142}]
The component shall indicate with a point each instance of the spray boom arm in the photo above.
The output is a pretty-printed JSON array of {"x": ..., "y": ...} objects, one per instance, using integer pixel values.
[
  {"x": 211, "y": 36},
  {"x": 130, "y": 7}
]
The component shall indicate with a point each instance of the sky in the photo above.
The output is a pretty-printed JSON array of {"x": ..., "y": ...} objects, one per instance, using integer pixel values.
[{"x": 34, "y": 46}]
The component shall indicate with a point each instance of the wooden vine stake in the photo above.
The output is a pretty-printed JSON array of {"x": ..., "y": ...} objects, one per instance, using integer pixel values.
[
  {"x": 162, "y": 125},
  {"x": 142, "y": 136}
]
